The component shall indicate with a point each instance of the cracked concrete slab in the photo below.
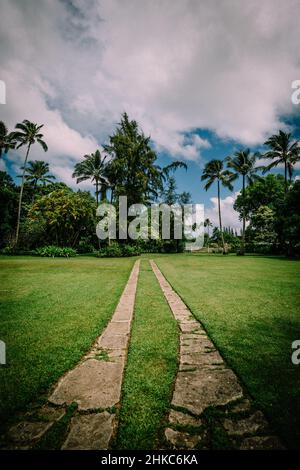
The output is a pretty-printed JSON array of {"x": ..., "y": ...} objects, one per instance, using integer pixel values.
[
  {"x": 90, "y": 432},
  {"x": 201, "y": 388},
  {"x": 252, "y": 424},
  {"x": 93, "y": 384},
  {"x": 182, "y": 440},
  {"x": 28, "y": 432},
  {"x": 178, "y": 418}
]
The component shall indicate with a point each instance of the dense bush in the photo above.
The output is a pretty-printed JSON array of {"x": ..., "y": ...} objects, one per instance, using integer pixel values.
[
  {"x": 13, "y": 251},
  {"x": 262, "y": 248},
  {"x": 55, "y": 251},
  {"x": 7, "y": 250},
  {"x": 150, "y": 246},
  {"x": 117, "y": 251},
  {"x": 172, "y": 246},
  {"x": 66, "y": 217},
  {"x": 130, "y": 250},
  {"x": 111, "y": 251},
  {"x": 85, "y": 246}
]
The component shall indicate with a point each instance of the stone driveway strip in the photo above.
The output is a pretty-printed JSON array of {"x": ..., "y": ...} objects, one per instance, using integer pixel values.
[
  {"x": 95, "y": 383},
  {"x": 204, "y": 381}
]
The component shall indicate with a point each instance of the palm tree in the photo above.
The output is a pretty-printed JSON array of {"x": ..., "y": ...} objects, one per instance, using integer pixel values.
[
  {"x": 214, "y": 171},
  {"x": 6, "y": 139},
  {"x": 94, "y": 167},
  {"x": 37, "y": 171},
  {"x": 243, "y": 163},
  {"x": 28, "y": 133},
  {"x": 282, "y": 151},
  {"x": 207, "y": 223}
]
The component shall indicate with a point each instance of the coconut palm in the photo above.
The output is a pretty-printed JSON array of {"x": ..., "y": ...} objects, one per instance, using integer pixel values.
[
  {"x": 243, "y": 164},
  {"x": 208, "y": 224},
  {"x": 27, "y": 133},
  {"x": 282, "y": 151},
  {"x": 6, "y": 139},
  {"x": 94, "y": 167},
  {"x": 37, "y": 172},
  {"x": 214, "y": 172}
]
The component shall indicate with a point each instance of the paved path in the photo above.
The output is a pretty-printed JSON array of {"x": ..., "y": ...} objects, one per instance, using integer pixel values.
[
  {"x": 94, "y": 384},
  {"x": 205, "y": 384}
]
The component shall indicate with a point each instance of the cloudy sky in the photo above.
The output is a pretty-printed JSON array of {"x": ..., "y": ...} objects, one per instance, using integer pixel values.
[{"x": 202, "y": 77}]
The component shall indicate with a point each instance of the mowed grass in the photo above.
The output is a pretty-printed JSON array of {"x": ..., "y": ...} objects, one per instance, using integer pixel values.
[
  {"x": 250, "y": 307},
  {"x": 51, "y": 311},
  {"x": 151, "y": 366}
]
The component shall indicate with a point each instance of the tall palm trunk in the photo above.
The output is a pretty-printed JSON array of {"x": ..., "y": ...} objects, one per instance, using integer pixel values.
[
  {"x": 208, "y": 239},
  {"x": 220, "y": 218},
  {"x": 285, "y": 176},
  {"x": 97, "y": 192},
  {"x": 97, "y": 203},
  {"x": 21, "y": 196},
  {"x": 244, "y": 219}
]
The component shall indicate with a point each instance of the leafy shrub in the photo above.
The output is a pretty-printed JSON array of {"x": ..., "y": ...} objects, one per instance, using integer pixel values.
[
  {"x": 150, "y": 246},
  {"x": 16, "y": 251},
  {"x": 55, "y": 251},
  {"x": 263, "y": 248},
  {"x": 130, "y": 250},
  {"x": 117, "y": 251},
  {"x": 85, "y": 246},
  {"x": 111, "y": 251},
  {"x": 173, "y": 246},
  {"x": 8, "y": 250}
]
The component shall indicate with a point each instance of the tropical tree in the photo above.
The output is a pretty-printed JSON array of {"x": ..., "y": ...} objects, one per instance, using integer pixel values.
[
  {"x": 169, "y": 194},
  {"x": 282, "y": 151},
  {"x": 27, "y": 133},
  {"x": 94, "y": 167},
  {"x": 290, "y": 220},
  {"x": 37, "y": 172},
  {"x": 265, "y": 191},
  {"x": 8, "y": 208},
  {"x": 6, "y": 139},
  {"x": 207, "y": 224},
  {"x": 243, "y": 164},
  {"x": 133, "y": 170},
  {"x": 65, "y": 217},
  {"x": 214, "y": 172}
]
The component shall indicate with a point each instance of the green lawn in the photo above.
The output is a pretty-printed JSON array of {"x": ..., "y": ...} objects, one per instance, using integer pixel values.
[
  {"x": 250, "y": 307},
  {"x": 51, "y": 310},
  {"x": 151, "y": 366}
]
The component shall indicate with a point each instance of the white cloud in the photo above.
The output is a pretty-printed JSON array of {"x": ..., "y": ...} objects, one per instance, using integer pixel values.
[
  {"x": 230, "y": 217},
  {"x": 173, "y": 65}
]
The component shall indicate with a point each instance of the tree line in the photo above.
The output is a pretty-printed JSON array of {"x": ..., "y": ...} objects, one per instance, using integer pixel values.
[
  {"x": 42, "y": 211},
  {"x": 50, "y": 212},
  {"x": 281, "y": 150}
]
